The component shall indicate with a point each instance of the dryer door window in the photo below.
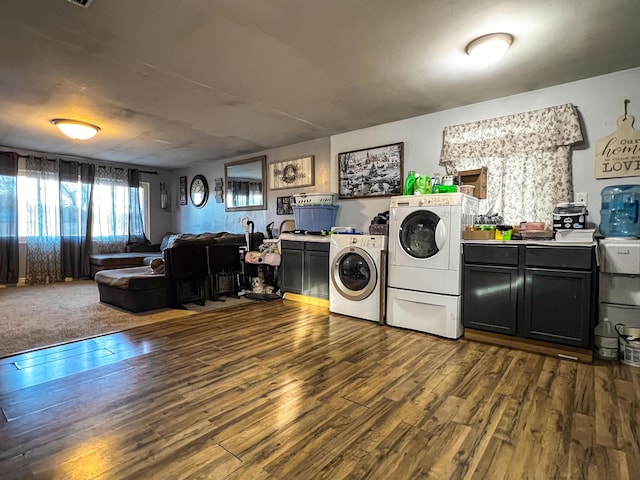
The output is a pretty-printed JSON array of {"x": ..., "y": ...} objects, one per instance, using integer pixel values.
[
  {"x": 354, "y": 274},
  {"x": 422, "y": 234}
]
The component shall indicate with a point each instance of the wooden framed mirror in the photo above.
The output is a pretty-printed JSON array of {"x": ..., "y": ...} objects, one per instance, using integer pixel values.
[{"x": 245, "y": 184}]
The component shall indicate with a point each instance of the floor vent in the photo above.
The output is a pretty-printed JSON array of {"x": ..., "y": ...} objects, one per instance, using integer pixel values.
[{"x": 81, "y": 3}]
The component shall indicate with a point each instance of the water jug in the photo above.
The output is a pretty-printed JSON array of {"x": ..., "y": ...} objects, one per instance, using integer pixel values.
[
  {"x": 620, "y": 210},
  {"x": 606, "y": 340}
]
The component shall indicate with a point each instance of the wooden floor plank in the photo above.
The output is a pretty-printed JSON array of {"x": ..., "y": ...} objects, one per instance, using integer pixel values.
[
  {"x": 582, "y": 459},
  {"x": 280, "y": 390}
]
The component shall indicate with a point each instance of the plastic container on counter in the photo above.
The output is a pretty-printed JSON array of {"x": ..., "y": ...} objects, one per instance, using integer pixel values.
[
  {"x": 315, "y": 218},
  {"x": 503, "y": 232}
]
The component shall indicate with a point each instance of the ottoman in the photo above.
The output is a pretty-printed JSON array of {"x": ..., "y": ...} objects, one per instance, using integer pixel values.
[
  {"x": 135, "y": 289},
  {"x": 106, "y": 261}
]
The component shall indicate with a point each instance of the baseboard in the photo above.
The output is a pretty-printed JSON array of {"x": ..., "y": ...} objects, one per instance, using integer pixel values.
[
  {"x": 563, "y": 351},
  {"x": 320, "y": 302},
  {"x": 22, "y": 282}
]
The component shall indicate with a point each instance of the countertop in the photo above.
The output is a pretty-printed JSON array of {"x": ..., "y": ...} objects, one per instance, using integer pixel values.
[
  {"x": 305, "y": 238},
  {"x": 546, "y": 243}
]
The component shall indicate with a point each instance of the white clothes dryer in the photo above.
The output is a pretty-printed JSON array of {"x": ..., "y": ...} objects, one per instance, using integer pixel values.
[
  {"x": 425, "y": 255},
  {"x": 357, "y": 271}
]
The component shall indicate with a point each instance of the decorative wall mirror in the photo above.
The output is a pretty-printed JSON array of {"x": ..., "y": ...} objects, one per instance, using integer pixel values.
[{"x": 244, "y": 183}]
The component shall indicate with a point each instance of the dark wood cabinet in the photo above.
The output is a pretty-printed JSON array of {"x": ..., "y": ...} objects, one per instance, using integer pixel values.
[
  {"x": 304, "y": 268},
  {"x": 291, "y": 266},
  {"x": 557, "y": 306},
  {"x": 546, "y": 293},
  {"x": 316, "y": 271},
  {"x": 490, "y": 298}
]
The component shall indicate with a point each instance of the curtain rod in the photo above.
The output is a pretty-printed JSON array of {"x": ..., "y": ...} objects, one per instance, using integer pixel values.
[
  {"x": 121, "y": 168},
  {"x": 150, "y": 172},
  {"x": 67, "y": 158}
]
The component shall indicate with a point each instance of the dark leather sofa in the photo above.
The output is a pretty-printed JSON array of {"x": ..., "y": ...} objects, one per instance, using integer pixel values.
[
  {"x": 135, "y": 255},
  {"x": 187, "y": 273}
]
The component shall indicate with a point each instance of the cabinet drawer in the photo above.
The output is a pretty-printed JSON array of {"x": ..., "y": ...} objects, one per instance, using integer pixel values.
[
  {"x": 291, "y": 245},
  {"x": 317, "y": 246},
  {"x": 491, "y": 254},
  {"x": 578, "y": 258}
]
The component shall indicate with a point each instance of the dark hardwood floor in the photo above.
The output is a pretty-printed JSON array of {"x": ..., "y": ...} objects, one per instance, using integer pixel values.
[{"x": 284, "y": 390}]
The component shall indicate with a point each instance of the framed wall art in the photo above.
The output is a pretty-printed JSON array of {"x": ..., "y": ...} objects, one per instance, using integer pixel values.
[
  {"x": 218, "y": 189},
  {"x": 283, "y": 206},
  {"x": 183, "y": 190},
  {"x": 371, "y": 172},
  {"x": 296, "y": 172}
]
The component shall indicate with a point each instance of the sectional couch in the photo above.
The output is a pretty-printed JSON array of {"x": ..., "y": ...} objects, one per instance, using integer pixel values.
[
  {"x": 185, "y": 269},
  {"x": 135, "y": 255}
]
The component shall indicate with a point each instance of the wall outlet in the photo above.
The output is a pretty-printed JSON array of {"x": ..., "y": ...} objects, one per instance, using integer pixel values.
[{"x": 582, "y": 197}]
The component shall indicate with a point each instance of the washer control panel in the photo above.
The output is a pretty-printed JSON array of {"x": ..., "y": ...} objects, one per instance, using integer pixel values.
[
  {"x": 370, "y": 241},
  {"x": 437, "y": 199}
]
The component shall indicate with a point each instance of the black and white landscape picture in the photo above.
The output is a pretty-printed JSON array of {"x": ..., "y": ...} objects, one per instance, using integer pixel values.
[{"x": 371, "y": 172}]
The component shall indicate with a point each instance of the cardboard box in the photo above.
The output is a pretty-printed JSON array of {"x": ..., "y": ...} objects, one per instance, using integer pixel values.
[
  {"x": 477, "y": 178},
  {"x": 478, "y": 235}
]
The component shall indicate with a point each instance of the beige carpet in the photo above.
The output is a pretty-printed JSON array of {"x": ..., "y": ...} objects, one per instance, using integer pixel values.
[{"x": 33, "y": 317}]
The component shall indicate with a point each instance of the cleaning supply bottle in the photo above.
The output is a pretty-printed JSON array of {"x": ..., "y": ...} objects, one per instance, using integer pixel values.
[
  {"x": 421, "y": 184},
  {"x": 409, "y": 184},
  {"x": 435, "y": 182},
  {"x": 606, "y": 340}
]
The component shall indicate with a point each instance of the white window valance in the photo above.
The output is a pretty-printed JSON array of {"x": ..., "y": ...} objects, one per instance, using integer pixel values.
[
  {"x": 544, "y": 129},
  {"x": 528, "y": 156}
]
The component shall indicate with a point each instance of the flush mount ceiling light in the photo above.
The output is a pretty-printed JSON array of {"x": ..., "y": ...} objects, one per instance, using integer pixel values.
[
  {"x": 75, "y": 128},
  {"x": 490, "y": 48}
]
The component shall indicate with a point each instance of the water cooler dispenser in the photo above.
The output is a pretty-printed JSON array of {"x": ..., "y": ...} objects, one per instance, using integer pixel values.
[
  {"x": 620, "y": 263},
  {"x": 620, "y": 281},
  {"x": 619, "y": 213}
]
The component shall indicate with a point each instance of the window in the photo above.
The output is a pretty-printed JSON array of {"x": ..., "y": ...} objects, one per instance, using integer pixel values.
[
  {"x": 63, "y": 211},
  {"x": 528, "y": 160},
  {"x": 7, "y": 205},
  {"x": 30, "y": 192},
  {"x": 110, "y": 207}
]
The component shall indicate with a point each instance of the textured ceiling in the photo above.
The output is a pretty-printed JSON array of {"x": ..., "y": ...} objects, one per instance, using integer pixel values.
[{"x": 174, "y": 82}]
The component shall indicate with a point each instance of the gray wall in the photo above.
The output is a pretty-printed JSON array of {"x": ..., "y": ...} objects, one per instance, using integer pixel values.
[
  {"x": 213, "y": 218},
  {"x": 599, "y": 101},
  {"x": 160, "y": 220}
]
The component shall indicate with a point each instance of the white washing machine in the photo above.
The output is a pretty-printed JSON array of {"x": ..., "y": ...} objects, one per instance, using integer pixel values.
[
  {"x": 424, "y": 284},
  {"x": 357, "y": 271}
]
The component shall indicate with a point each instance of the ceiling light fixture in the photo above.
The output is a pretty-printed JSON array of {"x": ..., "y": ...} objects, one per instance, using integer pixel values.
[
  {"x": 490, "y": 48},
  {"x": 75, "y": 128}
]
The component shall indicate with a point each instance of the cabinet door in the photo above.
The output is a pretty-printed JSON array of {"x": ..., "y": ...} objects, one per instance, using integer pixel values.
[
  {"x": 558, "y": 306},
  {"x": 316, "y": 278},
  {"x": 291, "y": 268},
  {"x": 490, "y": 298}
]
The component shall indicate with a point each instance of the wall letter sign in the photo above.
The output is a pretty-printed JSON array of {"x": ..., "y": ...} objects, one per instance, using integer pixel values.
[{"x": 618, "y": 155}]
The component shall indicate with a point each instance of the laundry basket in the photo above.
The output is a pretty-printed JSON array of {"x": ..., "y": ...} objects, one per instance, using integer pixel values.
[{"x": 629, "y": 338}]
